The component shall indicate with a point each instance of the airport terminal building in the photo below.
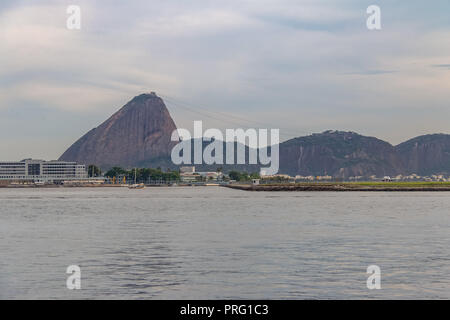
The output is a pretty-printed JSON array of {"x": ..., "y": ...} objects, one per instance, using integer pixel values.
[{"x": 42, "y": 171}]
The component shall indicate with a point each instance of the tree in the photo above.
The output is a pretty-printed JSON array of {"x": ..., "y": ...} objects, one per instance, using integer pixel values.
[
  {"x": 115, "y": 172},
  {"x": 94, "y": 171},
  {"x": 143, "y": 174},
  {"x": 234, "y": 175},
  {"x": 240, "y": 176},
  {"x": 255, "y": 175}
]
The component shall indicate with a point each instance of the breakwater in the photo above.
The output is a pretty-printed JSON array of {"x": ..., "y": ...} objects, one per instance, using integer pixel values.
[{"x": 341, "y": 187}]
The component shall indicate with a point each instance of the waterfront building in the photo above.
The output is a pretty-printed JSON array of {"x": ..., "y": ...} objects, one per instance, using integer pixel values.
[
  {"x": 189, "y": 177},
  {"x": 40, "y": 171},
  {"x": 190, "y": 169},
  {"x": 188, "y": 174},
  {"x": 211, "y": 175}
]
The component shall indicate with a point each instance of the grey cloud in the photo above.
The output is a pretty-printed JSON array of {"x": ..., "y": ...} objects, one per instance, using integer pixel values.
[
  {"x": 370, "y": 72},
  {"x": 445, "y": 66},
  {"x": 278, "y": 62}
]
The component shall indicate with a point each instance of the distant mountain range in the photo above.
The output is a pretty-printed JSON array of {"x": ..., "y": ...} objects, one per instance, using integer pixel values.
[
  {"x": 139, "y": 135},
  {"x": 346, "y": 154}
]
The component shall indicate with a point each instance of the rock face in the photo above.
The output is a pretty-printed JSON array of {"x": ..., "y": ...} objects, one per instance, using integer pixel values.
[
  {"x": 139, "y": 135},
  {"x": 424, "y": 155},
  {"x": 338, "y": 154},
  {"x": 139, "y": 132}
]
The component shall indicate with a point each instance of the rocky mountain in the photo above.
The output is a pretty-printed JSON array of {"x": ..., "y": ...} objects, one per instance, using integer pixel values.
[
  {"x": 346, "y": 154},
  {"x": 425, "y": 155},
  {"x": 338, "y": 154},
  {"x": 138, "y": 133}
]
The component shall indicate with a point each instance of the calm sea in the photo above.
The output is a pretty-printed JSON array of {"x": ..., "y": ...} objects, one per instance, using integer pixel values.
[{"x": 217, "y": 243}]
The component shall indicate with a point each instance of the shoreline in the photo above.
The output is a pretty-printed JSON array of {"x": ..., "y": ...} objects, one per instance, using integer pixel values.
[
  {"x": 338, "y": 187},
  {"x": 50, "y": 186},
  {"x": 55, "y": 186},
  {"x": 312, "y": 187}
]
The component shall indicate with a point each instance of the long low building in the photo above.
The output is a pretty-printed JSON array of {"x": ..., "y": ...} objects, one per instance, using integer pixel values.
[{"x": 42, "y": 171}]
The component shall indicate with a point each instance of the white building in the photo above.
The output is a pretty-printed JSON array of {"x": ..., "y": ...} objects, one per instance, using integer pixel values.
[
  {"x": 210, "y": 175},
  {"x": 190, "y": 169},
  {"x": 42, "y": 171},
  {"x": 189, "y": 177}
]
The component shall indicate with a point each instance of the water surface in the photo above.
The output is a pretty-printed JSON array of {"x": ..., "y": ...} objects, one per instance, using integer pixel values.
[{"x": 218, "y": 243}]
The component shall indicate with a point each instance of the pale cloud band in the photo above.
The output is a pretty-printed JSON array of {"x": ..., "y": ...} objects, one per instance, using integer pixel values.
[{"x": 303, "y": 65}]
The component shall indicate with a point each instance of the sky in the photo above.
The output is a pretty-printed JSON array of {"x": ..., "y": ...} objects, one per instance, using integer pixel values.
[{"x": 302, "y": 66}]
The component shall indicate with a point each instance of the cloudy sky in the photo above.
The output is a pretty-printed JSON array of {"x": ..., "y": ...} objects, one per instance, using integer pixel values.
[{"x": 302, "y": 66}]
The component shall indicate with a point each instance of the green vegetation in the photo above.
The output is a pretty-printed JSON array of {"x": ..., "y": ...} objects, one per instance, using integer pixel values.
[
  {"x": 371, "y": 184},
  {"x": 400, "y": 184},
  {"x": 115, "y": 172},
  {"x": 275, "y": 180},
  {"x": 143, "y": 174},
  {"x": 94, "y": 171},
  {"x": 242, "y": 176}
]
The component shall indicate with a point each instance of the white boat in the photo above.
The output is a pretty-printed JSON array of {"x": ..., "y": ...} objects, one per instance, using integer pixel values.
[{"x": 136, "y": 185}]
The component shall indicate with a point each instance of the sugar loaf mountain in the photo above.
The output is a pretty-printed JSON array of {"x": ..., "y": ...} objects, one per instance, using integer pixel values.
[{"x": 139, "y": 135}]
